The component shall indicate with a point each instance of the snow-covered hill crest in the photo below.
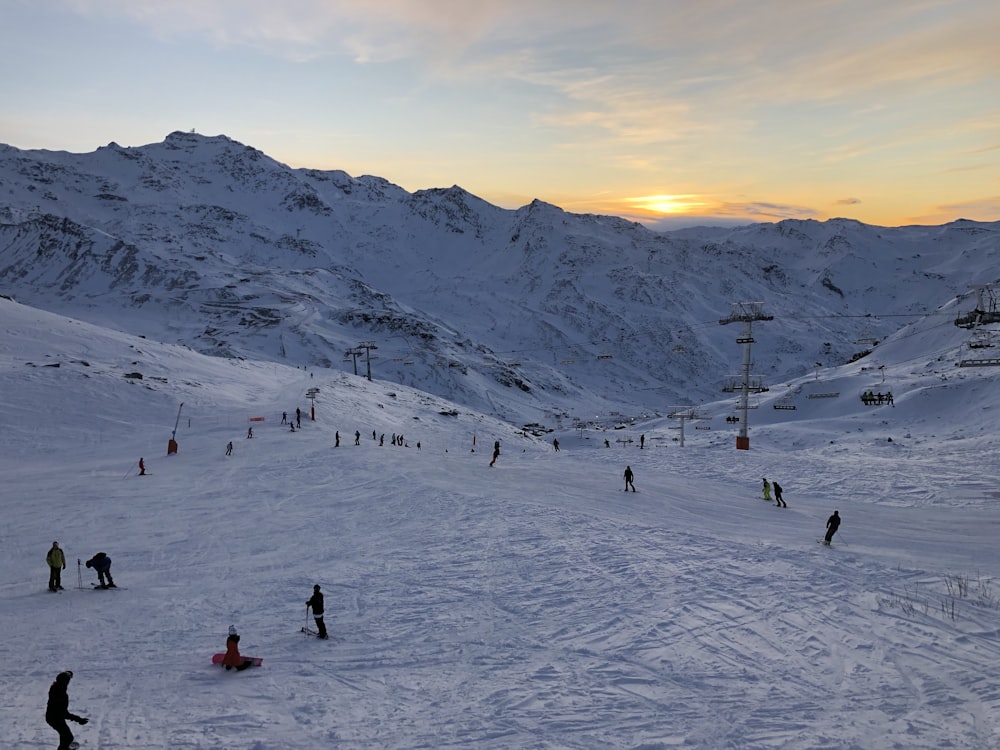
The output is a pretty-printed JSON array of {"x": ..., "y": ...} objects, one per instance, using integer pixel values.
[{"x": 236, "y": 254}]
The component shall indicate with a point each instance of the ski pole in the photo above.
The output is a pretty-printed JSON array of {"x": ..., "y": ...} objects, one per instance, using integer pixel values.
[
  {"x": 306, "y": 626},
  {"x": 79, "y": 574}
]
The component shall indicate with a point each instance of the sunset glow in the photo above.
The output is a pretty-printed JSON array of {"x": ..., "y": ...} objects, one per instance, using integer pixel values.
[{"x": 883, "y": 112}]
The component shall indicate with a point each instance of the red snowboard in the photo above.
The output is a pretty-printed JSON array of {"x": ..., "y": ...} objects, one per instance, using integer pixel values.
[{"x": 257, "y": 660}]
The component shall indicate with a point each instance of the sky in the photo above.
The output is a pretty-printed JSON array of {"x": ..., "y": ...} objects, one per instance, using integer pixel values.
[
  {"x": 532, "y": 604},
  {"x": 666, "y": 111}
]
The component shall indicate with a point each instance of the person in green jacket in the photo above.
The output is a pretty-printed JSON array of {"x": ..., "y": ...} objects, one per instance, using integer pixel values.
[
  {"x": 57, "y": 564},
  {"x": 767, "y": 490}
]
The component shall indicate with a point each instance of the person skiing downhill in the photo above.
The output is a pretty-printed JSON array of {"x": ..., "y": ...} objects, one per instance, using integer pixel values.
[
  {"x": 142, "y": 467},
  {"x": 832, "y": 524},
  {"x": 777, "y": 496},
  {"x": 628, "y": 479},
  {"x": 316, "y": 603},
  {"x": 57, "y": 710},
  {"x": 767, "y": 490},
  {"x": 57, "y": 564}
]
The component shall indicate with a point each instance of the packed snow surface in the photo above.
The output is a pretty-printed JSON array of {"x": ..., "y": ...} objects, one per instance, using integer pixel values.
[{"x": 533, "y": 604}]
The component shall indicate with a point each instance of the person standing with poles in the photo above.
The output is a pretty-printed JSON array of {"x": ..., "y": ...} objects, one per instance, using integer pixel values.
[{"x": 316, "y": 603}]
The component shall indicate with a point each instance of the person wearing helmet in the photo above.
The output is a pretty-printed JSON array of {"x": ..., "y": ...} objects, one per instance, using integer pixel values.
[{"x": 57, "y": 710}]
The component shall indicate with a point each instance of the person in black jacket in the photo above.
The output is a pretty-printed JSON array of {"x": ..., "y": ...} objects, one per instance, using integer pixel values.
[
  {"x": 832, "y": 524},
  {"x": 777, "y": 495},
  {"x": 57, "y": 710},
  {"x": 316, "y": 602},
  {"x": 628, "y": 478},
  {"x": 102, "y": 564}
]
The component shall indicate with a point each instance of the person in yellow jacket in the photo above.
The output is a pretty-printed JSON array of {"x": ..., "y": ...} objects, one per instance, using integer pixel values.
[
  {"x": 767, "y": 490},
  {"x": 57, "y": 564}
]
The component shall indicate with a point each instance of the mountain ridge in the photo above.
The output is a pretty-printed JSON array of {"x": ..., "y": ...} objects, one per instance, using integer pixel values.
[{"x": 238, "y": 255}]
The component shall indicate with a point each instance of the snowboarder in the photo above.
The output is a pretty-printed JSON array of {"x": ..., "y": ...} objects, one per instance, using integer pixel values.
[
  {"x": 57, "y": 710},
  {"x": 767, "y": 489},
  {"x": 628, "y": 479},
  {"x": 357, "y": 437},
  {"x": 642, "y": 441},
  {"x": 232, "y": 657},
  {"x": 102, "y": 564},
  {"x": 57, "y": 564},
  {"x": 142, "y": 467},
  {"x": 777, "y": 496},
  {"x": 555, "y": 444},
  {"x": 229, "y": 448},
  {"x": 316, "y": 602},
  {"x": 832, "y": 524}
]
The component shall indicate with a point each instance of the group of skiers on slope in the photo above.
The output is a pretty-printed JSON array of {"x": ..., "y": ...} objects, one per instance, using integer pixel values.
[
  {"x": 55, "y": 558},
  {"x": 297, "y": 424},
  {"x": 57, "y": 713}
]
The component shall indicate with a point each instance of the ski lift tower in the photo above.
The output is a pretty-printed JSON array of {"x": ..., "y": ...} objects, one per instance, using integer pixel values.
[
  {"x": 367, "y": 346},
  {"x": 311, "y": 394},
  {"x": 683, "y": 413},
  {"x": 746, "y": 313}
]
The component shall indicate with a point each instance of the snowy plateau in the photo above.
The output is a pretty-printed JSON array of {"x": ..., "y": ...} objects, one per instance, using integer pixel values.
[{"x": 195, "y": 288}]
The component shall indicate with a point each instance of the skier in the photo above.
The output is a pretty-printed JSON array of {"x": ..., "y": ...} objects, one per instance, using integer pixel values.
[
  {"x": 606, "y": 443},
  {"x": 316, "y": 602},
  {"x": 777, "y": 496},
  {"x": 284, "y": 417},
  {"x": 767, "y": 490},
  {"x": 298, "y": 417},
  {"x": 142, "y": 467},
  {"x": 496, "y": 452},
  {"x": 232, "y": 657},
  {"x": 336, "y": 438},
  {"x": 832, "y": 524},
  {"x": 555, "y": 443},
  {"x": 57, "y": 564},
  {"x": 381, "y": 440},
  {"x": 57, "y": 710},
  {"x": 102, "y": 564},
  {"x": 642, "y": 442},
  {"x": 249, "y": 432},
  {"x": 229, "y": 448},
  {"x": 357, "y": 437},
  {"x": 628, "y": 479}
]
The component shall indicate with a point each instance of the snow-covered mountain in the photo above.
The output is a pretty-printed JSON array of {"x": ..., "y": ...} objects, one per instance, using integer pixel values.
[
  {"x": 209, "y": 243},
  {"x": 527, "y": 604}
]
